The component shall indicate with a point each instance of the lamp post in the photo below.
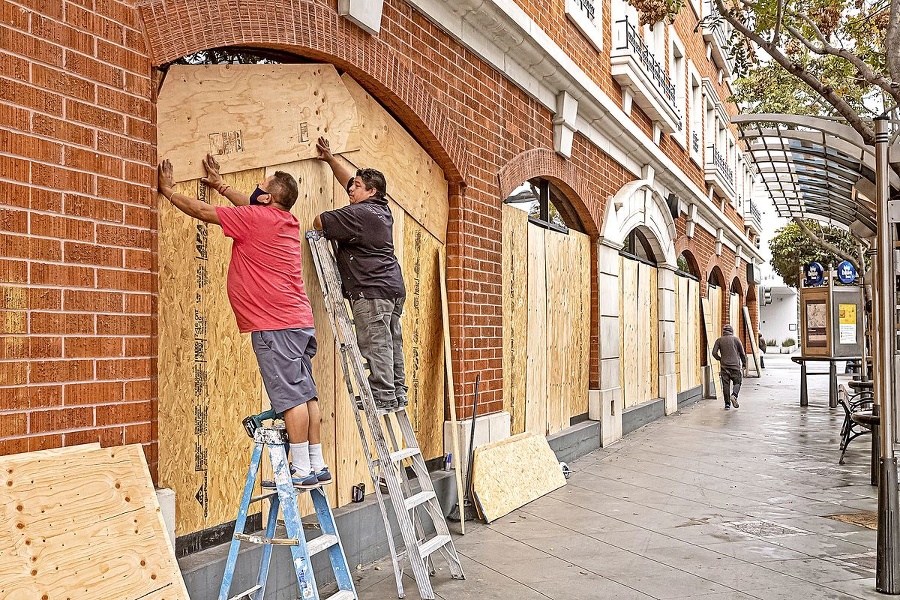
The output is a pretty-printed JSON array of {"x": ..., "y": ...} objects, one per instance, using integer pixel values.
[{"x": 887, "y": 568}]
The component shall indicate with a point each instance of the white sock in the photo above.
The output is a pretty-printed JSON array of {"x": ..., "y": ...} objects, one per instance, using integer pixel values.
[
  {"x": 316, "y": 462},
  {"x": 300, "y": 458}
]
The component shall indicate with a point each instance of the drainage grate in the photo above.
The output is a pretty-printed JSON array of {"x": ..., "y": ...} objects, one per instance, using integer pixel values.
[
  {"x": 867, "y": 519},
  {"x": 764, "y": 528}
]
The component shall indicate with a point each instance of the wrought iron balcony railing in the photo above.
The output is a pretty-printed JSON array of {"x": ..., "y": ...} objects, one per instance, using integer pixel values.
[
  {"x": 656, "y": 72},
  {"x": 756, "y": 216},
  {"x": 695, "y": 141},
  {"x": 716, "y": 159},
  {"x": 588, "y": 7}
]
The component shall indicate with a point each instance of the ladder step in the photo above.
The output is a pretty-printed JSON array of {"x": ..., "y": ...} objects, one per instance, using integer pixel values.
[
  {"x": 417, "y": 499},
  {"x": 405, "y": 453},
  {"x": 247, "y": 593},
  {"x": 261, "y": 539},
  {"x": 263, "y": 496},
  {"x": 342, "y": 595},
  {"x": 433, "y": 544},
  {"x": 323, "y": 542}
]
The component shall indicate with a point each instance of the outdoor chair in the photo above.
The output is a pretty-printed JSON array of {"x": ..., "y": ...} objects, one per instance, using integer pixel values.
[{"x": 861, "y": 401}]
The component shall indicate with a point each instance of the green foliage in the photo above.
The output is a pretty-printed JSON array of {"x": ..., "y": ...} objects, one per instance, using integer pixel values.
[
  {"x": 791, "y": 249},
  {"x": 788, "y": 342},
  {"x": 772, "y": 342}
]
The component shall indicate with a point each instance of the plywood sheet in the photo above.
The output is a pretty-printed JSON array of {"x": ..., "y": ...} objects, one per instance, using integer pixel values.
[
  {"x": 687, "y": 333},
  {"x": 754, "y": 346},
  {"x": 536, "y": 378},
  {"x": 208, "y": 377},
  {"x": 83, "y": 523},
  {"x": 515, "y": 314},
  {"x": 423, "y": 344},
  {"x": 711, "y": 336},
  {"x": 510, "y": 473},
  {"x": 653, "y": 320},
  {"x": 252, "y": 116},
  {"x": 628, "y": 319},
  {"x": 734, "y": 313},
  {"x": 414, "y": 179}
]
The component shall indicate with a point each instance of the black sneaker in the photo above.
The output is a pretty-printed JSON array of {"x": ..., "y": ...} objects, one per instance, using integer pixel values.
[{"x": 727, "y": 406}]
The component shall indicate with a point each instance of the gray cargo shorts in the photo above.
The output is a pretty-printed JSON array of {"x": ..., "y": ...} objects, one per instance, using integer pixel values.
[{"x": 285, "y": 363}]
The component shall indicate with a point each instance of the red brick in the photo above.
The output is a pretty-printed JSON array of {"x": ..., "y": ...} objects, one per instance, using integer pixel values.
[
  {"x": 139, "y": 390},
  {"x": 122, "y": 413},
  {"x": 23, "y": 44},
  {"x": 122, "y": 190},
  {"x": 14, "y": 16},
  {"x": 31, "y": 147},
  {"x": 44, "y": 299},
  {"x": 88, "y": 160},
  {"x": 84, "y": 300},
  {"x": 91, "y": 254},
  {"x": 22, "y": 246},
  {"x": 127, "y": 368},
  {"x": 124, "y": 280},
  {"x": 44, "y": 347},
  {"x": 44, "y": 442},
  {"x": 56, "y": 226},
  {"x": 93, "y": 347},
  {"x": 129, "y": 149},
  {"x": 138, "y": 434},
  {"x": 62, "y": 323},
  {"x": 62, "y": 82},
  {"x": 13, "y": 424},
  {"x": 61, "y": 34},
  {"x": 128, "y": 237},
  {"x": 13, "y": 271},
  {"x": 140, "y": 303},
  {"x": 13, "y": 373},
  {"x": 30, "y": 97},
  {"x": 60, "y": 371},
  {"x": 14, "y": 398},
  {"x": 14, "y": 117},
  {"x": 63, "y": 130},
  {"x": 144, "y": 131},
  {"x": 94, "y": 23},
  {"x": 124, "y": 325},
  {"x": 107, "y": 436},
  {"x": 61, "y": 178},
  {"x": 14, "y": 168},
  {"x": 13, "y": 220},
  {"x": 13, "y": 446},
  {"x": 43, "y": 421},
  {"x": 44, "y": 396},
  {"x": 13, "y": 322},
  {"x": 139, "y": 346},
  {"x": 14, "y": 67},
  {"x": 13, "y": 346},
  {"x": 140, "y": 217},
  {"x": 94, "y": 208},
  {"x": 105, "y": 392},
  {"x": 117, "y": 12},
  {"x": 93, "y": 115},
  {"x": 61, "y": 275},
  {"x": 139, "y": 260}
]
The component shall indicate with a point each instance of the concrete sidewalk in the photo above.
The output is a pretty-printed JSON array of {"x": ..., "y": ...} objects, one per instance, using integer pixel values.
[{"x": 706, "y": 504}]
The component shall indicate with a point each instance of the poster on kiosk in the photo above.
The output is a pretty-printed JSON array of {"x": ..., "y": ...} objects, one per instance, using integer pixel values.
[{"x": 831, "y": 312}]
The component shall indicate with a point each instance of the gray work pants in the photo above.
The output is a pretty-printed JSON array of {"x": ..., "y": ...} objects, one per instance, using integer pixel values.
[{"x": 380, "y": 341}]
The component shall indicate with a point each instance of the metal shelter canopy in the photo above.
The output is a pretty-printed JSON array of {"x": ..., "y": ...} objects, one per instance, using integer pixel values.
[{"x": 814, "y": 168}]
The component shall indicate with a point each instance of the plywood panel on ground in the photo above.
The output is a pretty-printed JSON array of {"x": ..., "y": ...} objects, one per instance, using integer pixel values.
[
  {"x": 711, "y": 336},
  {"x": 414, "y": 179},
  {"x": 515, "y": 314},
  {"x": 536, "y": 379},
  {"x": 510, "y": 473},
  {"x": 83, "y": 523},
  {"x": 754, "y": 345},
  {"x": 251, "y": 116}
]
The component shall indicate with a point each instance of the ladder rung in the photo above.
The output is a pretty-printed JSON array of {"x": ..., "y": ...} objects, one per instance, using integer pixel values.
[
  {"x": 261, "y": 539},
  {"x": 433, "y": 544},
  {"x": 263, "y": 496},
  {"x": 323, "y": 542},
  {"x": 247, "y": 593},
  {"x": 420, "y": 498},
  {"x": 405, "y": 453},
  {"x": 342, "y": 595}
]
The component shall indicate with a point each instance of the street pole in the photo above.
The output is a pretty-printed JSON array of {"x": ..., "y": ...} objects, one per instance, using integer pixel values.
[{"x": 887, "y": 567}]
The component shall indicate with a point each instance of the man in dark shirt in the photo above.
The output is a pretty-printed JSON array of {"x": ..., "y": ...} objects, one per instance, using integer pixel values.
[
  {"x": 370, "y": 274},
  {"x": 729, "y": 351}
]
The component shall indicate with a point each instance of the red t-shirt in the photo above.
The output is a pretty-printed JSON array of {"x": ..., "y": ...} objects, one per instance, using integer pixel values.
[{"x": 265, "y": 280}]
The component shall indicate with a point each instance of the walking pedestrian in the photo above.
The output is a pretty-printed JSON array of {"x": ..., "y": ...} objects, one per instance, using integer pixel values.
[
  {"x": 762, "y": 350},
  {"x": 729, "y": 351}
]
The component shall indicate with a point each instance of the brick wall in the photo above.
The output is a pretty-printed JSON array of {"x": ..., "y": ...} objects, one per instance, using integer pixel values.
[{"x": 77, "y": 227}]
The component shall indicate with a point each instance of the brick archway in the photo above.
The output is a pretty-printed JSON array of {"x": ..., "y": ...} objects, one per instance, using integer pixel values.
[{"x": 176, "y": 28}]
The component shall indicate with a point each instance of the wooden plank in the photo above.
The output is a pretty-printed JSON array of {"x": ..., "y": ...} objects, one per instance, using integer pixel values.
[
  {"x": 414, "y": 179},
  {"x": 515, "y": 314},
  {"x": 251, "y": 116},
  {"x": 422, "y": 341},
  {"x": 208, "y": 376},
  {"x": 536, "y": 378},
  {"x": 558, "y": 275},
  {"x": 84, "y": 523},
  {"x": 734, "y": 313},
  {"x": 754, "y": 345},
  {"x": 694, "y": 328},
  {"x": 711, "y": 337},
  {"x": 653, "y": 322},
  {"x": 628, "y": 318},
  {"x": 581, "y": 323}
]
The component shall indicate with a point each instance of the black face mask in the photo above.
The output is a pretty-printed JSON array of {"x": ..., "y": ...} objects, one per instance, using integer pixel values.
[{"x": 254, "y": 197}]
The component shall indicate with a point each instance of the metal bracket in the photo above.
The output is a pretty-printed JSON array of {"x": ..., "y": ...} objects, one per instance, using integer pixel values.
[{"x": 894, "y": 211}]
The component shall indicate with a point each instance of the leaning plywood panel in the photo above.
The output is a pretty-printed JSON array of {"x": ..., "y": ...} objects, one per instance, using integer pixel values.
[
  {"x": 560, "y": 361},
  {"x": 536, "y": 378},
  {"x": 515, "y": 313},
  {"x": 630, "y": 347},
  {"x": 251, "y": 116},
  {"x": 511, "y": 473},
  {"x": 208, "y": 378},
  {"x": 710, "y": 327},
  {"x": 581, "y": 318},
  {"x": 414, "y": 180},
  {"x": 83, "y": 523},
  {"x": 423, "y": 342}
]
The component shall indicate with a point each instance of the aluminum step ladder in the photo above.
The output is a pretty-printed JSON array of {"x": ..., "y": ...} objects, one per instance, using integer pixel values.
[
  {"x": 284, "y": 496},
  {"x": 415, "y": 509}
]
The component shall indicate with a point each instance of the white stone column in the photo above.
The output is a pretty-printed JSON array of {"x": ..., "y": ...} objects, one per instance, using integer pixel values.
[
  {"x": 606, "y": 403},
  {"x": 668, "y": 381}
]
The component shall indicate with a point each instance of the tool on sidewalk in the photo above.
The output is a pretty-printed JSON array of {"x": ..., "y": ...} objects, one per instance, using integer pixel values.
[
  {"x": 469, "y": 512},
  {"x": 417, "y": 511},
  {"x": 284, "y": 497}
]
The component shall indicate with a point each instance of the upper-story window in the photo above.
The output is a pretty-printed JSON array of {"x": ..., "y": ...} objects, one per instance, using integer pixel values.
[
  {"x": 588, "y": 17},
  {"x": 546, "y": 205},
  {"x": 677, "y": 69},
  {"x": 696, "y": 141}
]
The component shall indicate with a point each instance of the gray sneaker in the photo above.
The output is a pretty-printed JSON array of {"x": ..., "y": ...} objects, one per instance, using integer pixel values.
[{"x": 734, "y": 401}]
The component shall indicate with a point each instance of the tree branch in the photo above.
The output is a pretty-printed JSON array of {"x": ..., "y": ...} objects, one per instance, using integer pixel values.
[
  {"x": 778, "y": 16},
  {"x": 824, "y": 244}
]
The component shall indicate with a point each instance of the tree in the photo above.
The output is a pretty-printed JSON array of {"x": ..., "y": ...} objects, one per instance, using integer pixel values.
[
  {"x": 845, "y": 54},
  {"x": 792, "y": 247}
]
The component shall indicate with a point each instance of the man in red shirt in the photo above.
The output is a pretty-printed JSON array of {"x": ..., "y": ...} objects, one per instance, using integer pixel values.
[{"x": 265, "y": 288}]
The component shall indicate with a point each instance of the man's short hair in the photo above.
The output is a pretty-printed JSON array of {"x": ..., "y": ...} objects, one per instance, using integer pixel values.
[
  {"x": 285, "y": 189},
  {"x": 373, "y": 179}
]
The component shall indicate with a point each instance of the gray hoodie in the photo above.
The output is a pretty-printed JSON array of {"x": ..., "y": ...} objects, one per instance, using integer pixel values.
[{"x": 729, "y": 350}]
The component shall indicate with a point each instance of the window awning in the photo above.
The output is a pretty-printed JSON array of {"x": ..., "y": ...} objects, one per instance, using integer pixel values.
[{"x": 814, "y": 168}]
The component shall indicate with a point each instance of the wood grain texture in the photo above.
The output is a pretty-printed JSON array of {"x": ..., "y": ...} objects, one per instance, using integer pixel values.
[
  {"x": 83, "y": 523},
  {"x": 536, "y": 379},
  {"x": 709, "y": 323},
  {"x": 414, "y": 179},
  {"x": 515, "y": 314},
  {"x": 251, "y": 116},
  {"x": 509, "y": 474}
]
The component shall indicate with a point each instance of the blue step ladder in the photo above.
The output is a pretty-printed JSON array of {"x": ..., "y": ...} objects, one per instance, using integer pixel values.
[{"x": 284, "y": 497}]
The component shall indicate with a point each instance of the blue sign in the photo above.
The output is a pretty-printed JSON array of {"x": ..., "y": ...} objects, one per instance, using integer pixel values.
[
  {"x": 814, "y": 274},
  {"x": 846, "y": 272}
]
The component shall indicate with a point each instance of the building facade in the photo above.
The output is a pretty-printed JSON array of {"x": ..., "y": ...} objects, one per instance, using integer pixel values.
[{"x": 614, "y": 136}]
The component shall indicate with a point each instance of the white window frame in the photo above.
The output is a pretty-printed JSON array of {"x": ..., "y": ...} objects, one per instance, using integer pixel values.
[
  {"x": 678, "y": 77},
  {"x": 696, "y": 114},
  {"x": 592, "y": 29}
]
